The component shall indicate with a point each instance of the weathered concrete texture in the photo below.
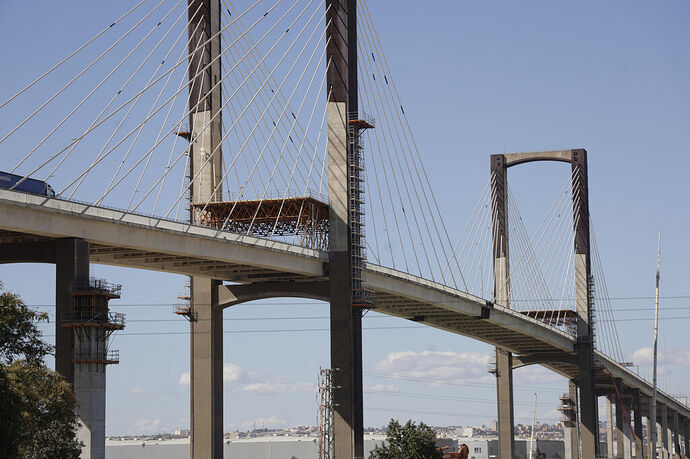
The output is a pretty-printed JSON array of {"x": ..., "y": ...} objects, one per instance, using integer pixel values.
[
  {"x": 89, "y": 390},
  {"x": 501, "y": 256},
  {"x": 504, "y": 398},
  {"x": 229, "y": 295},
  {"x": 651, "y": 441},
  {"x": 205, "y": 100},
  {"x": 88, "y": 381},
  {"x": 662, "y": 413},
  {"x": 639, "y": 450},
  {"x": 206, "y": 377},
  {"x": 571, "y": 438},
  {"x": 589, "y": 425},
  {"x": 206, "y": 168},
  {"x": 71, "y": 264},
  {"x": 623, "y": 432}
]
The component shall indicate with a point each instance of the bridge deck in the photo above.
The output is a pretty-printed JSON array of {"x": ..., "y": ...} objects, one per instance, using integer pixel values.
[{"x": 129, "y": 240}]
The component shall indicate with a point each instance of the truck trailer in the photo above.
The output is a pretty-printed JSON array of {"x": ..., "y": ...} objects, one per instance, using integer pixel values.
[{"x": 28, "y": 185}]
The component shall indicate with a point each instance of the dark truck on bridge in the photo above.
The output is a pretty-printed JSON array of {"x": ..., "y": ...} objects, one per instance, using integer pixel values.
[{"x": 29, "y": 185}]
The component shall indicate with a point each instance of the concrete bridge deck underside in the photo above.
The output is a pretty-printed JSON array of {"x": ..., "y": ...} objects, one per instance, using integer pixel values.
[{"x": 129, "y": 240}]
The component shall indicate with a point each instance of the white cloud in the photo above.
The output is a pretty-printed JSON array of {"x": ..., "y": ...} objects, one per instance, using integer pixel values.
[
  {"x": 675, "y": 356},
  {"x": 436, "y": 365},
  {"x": 536, "y": 374},
  {"x": 231, "y": 373},
  {"x": 276, "y": 387},
  {"x": 382, "y": 388},
  {"x": 234, "y": 373},
  {"x": 247, "y": 381},
  {"x": 642, "y": 356},
  {"x": 147, "y": 425}
]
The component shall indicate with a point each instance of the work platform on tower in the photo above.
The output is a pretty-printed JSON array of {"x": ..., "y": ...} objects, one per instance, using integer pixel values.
[{"x": 304, "y": 217}]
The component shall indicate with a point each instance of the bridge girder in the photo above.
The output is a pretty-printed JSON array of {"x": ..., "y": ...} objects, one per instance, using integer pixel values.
[{"x": 26, "y": 218}]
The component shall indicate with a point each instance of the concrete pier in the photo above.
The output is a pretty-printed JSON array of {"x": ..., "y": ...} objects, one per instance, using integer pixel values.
[
  {"x": 206, "y": 371},
  {"x": 571, "y": 438},
  {"x": 501, "y": 256}
]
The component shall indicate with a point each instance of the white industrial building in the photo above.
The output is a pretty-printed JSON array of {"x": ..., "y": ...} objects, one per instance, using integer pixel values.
[{"x": 302, "y": 447}]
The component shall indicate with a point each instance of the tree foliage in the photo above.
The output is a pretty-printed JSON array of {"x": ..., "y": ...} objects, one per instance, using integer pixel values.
[
  {"x": 410, "y": 441},
  {"x": 19, "y": 336},
  {"x": 37, "y": 419}
]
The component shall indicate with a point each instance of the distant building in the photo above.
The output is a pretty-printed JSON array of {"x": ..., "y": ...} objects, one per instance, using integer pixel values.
[
  {"x": 306, "y": 447},
  {"x": 487, "y": 448}
]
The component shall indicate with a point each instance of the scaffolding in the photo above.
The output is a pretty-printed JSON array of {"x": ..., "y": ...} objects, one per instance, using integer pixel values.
[
  {"x": 557, "y": 317},
  {"x": 304, "y": 217},
  {"x": 326, "y": 413},
  {"x": 93, "y": 323},
  {"x": 361, "y": 296},
  {"x": 183, "y": 307}
]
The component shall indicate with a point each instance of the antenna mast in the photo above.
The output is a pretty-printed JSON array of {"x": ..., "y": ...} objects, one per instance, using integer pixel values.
[
  {"x": 656, "y": 335},
  {"x": 531, "y": 437}
]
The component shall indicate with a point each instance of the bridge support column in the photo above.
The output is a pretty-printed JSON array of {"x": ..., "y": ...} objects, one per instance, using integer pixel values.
[
  {"x": 676, "y": 436},
  {"x": 206, "y": 159},
  {"x": 571, "y": 438},
  {"x": 663, "y": 421},
  {"x": 589, "y": 428},
  {"x": 358, "y": 383},
  {"x": 609, "y": 428},
  {"x": 206, "y": 371},
  {"x": 639, "y": 437},
  {"x": 504, "y": 397},
  {"x": 651, "y": 445},
  {"x": 686, "y": 438},
  {"x": 623, "y": 432},
  {"x": 501, "y": 253},
  {"x": 346, "y": 321},
  {"x": 88, "y": 381}
]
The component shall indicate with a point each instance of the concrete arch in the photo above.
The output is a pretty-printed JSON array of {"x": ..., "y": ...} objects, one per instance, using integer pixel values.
[
  {"x": 566, "y": 156},
  {"x": 230, "y": 295}
]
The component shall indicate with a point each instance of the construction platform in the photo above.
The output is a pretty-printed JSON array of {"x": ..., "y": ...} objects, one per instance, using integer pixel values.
[
  {"x": 98, "y": 358},
  {"x": 304, "y": 217}
]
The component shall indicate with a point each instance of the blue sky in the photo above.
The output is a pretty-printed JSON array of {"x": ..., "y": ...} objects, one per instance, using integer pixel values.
[{"x": 476, "y": 78}]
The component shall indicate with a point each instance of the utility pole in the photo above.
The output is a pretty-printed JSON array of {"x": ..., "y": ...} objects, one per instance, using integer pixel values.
[
  {"x": 531, "y": 437},
  {"x": 653, "y": 433}
]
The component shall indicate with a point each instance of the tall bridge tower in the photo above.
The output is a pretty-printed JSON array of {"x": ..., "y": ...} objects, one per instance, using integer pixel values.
[
  {"x": 345, "y": 227},
  {"x": 582, "y": 388},
  {"x": 346, "y": 290},
  {"x": 205, "y": 151}
]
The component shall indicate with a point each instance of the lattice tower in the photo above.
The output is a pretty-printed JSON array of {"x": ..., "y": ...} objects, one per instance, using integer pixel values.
[{"x": 325, "y": 413}]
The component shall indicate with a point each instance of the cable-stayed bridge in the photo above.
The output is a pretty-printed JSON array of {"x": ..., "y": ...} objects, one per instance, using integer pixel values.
[{"x": 262, "y": 149}]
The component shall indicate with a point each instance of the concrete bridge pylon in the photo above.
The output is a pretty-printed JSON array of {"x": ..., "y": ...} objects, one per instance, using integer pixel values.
[
  {"x": 587, "y": 411},
  {"x": 206, "y": 159},
  {"x": 206, "y": 388}
]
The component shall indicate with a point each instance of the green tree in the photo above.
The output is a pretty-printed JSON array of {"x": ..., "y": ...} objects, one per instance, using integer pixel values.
[
  {"x": 19, "y": 336},
  {"x": 37, "y": 419},
  {"x": 410, "y": 441}
]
